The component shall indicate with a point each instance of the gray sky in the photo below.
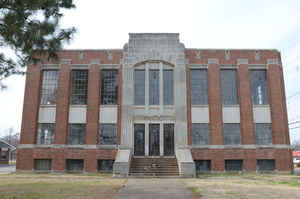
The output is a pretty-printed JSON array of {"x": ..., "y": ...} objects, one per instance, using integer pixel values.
[{"x": 201, "y": 24}]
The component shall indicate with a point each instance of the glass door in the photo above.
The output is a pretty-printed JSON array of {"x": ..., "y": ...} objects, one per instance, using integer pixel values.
[
  {"x": 139, "y": 139},
  {"x": 154, "y": 140},
  {"x": 168, "y": 139}
]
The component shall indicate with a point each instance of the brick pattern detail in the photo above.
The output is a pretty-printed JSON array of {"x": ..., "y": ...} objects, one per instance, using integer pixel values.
[
  {"x": 277, "y": 103},
  {"x": 24, "y": 159},
  {"x": 246, "y": 110},
  {"x": 119, "y": 125},
  {"x": 31, "y": 105},
  {"x": 93, "y": 104},
  {"x": 215, "y": 104},
  {"x": 189, "y": 106},
  {"x": 62, "y": 105}
]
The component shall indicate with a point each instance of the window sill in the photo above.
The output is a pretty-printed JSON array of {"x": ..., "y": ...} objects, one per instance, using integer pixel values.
[
  {"x": 231, "y": 106},
  {"x": 109, "y": 106},
  {"x": 261, "y": 105},
  {"x": 47, "y": 105},
  {"x": 78, "y": 105}
]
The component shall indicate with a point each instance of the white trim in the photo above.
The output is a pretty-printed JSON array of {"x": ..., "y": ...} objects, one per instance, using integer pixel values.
[{"x": 272, "y": 146}]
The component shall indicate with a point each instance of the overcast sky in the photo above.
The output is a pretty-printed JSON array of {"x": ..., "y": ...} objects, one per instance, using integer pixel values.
[{"x": 201, "y": 24}]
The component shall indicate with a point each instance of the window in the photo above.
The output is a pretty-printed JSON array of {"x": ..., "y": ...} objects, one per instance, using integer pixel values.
[
  {"x": 45, "y": 133},
  {"x": 202, "y": 166},
  {"x": 108, "y": 134},
  {"x": 229, "y": 87},
  {"x": 263, "y": 133},
  {"x": 233, "y": 165},
  {"x": 265, "y": 165},
  {"x": 105, "y": 165},
  {"x": 109, "y": 87},
  {"x": 74, "y": 165},
  {"x": 49, "y": 87},
  {"x": 198, "y": 84},
  {"x": 231, "y": 134},
  {"x": 139, "y": 85},
  {"x": 168, "y": 87},
  {"x": 259, "y": 87},
  {"x": 200, "y": 134},
  {"x": 76, "y": 134},
  {"x": 154, "y": 87},
  {"x": 3, "y": 155},
  {"x": 79, "y": 87},
  {"x": 42, "y": 164}
]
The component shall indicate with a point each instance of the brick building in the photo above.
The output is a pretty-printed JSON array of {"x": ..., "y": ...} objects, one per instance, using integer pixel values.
[{"x": 154, "y": 101}]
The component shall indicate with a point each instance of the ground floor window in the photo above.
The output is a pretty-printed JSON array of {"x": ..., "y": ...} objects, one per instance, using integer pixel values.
[
  {"x": 233, "y": 165},
  {"x": 74, "y": 165},
  {"x": 200, "y": 134},
  {"x": 265, "y": 165},
  {"x": 3, "y": 155},
  {"x": 203, "y": 166},
  {"x": 105, "y": 165},
  {"x": 42, "y": 164},
  {"x": 76, "y": 134},
  {"x": 108, "y": 134}
]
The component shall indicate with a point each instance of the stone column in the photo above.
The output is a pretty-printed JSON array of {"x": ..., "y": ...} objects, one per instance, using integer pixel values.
[
  {"x": 120, "y": 82},
  {"x": 246, "y": 109},
  {"x": 215, "y": 102},
  {"x": 189, "y": 106}
]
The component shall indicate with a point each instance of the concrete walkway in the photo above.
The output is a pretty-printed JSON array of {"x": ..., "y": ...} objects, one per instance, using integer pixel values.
[{"x": 154, "y": 189}]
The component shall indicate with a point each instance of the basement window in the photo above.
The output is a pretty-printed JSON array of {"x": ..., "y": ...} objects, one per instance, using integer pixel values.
[
  {"x": 109, "y": 87},
  {"x": 263, "y": 133},
  {"x": 200, "y": 134},
  {"x": 45, "y": 133},
  {"x": 233, "y": 165},
  {"x": 265, "y": 165},
  {"x": 259, "y": 89},
  {"x": 203, "y": 166},
  {"x": 76, "y": 134},
  {"x": 139, "y": 87},
  {"x": 74, "y": 165},
  {"x": 198, "y": 85},
  {"x": 42, "y": 164},
  {"x": 105, "y": 165},
  {"x": 79, "y": 87},
  {"x": 49, "y": 87},
  {"x": 229, "y": 87},
  {"x": 231, "y": 134},
  {"x": 108, "y": 134}
]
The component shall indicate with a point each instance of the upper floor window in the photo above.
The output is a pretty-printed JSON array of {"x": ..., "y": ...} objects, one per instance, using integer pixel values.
[
  {"x": 168, "y": 89},
  {"x": 259, "y": 86},
  {"x": 109, "y": 87},
  {"x": 46, "y": 133},
  {"x": 154, "y": 87},
  {"x": 49, "y": 87},
  {"x": 231, "y": 134},
  {"x": 200, "y": 134},
  {"x": 229, "y": 87},
  {"x": 79, "y": 87},
  {"x": 76, "y": 134},
  {"x": 108, "y": 134},
  {"x": 198, "y": 84},
  {"x": 139, "y": 86}
]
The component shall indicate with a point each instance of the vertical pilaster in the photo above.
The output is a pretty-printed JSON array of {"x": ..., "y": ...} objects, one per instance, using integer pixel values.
[
  {"x": 120, "y": 83},
  {"x": 146, "y": 138},
  {"x": 189, "y": 106},
  {"x": 62, "y": 102},
  {"x": 161, "y": 138},
  {"x": 280, "y": 133},
  {"x": 246, "y": 110},
  {"x": 93, "y": 103},
  {"x": 215, "y": 102}
]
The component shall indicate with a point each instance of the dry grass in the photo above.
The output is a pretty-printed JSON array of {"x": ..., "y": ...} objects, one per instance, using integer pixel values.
[
  {"x": 48, "y": 186},
  {"x": 246, "y": 186}
]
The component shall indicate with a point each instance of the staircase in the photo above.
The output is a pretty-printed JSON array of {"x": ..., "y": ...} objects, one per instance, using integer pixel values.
[{"x": 154, "y": 167}]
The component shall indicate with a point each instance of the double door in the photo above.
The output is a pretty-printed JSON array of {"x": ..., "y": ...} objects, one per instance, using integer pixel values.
[{"x": 154, "y": 140}]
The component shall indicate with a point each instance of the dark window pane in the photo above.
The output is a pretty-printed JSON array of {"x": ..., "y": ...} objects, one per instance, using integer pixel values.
[
  {"x": 202, "y": 166},
  {"x": 231, "y": 134},
  {"x": 45, "y": 133},
  {"x": 233, "y": 165},
  {"x": 259, "y": 86},
  {"x": 109, "y": 87},
  {"x": 42, "y": 164},
  {"x": 76, "y": 134},
  {"x": 154, "y": 137},
  {"x": 139, "y": 85},
  {"x": 74, "y": 165},
  {"x": 229, "y": 87},
  {"x": 168, "y": 87},
  {"x": 3, "y": 155},
  {"x": 49, "y": 87},
  {"x": 265, "y": 165},
  {"x": 139, "y": 139},
  {"x": 263, "y": 133},
  {"x": 154, "y": 87},
  {"x": 105, "y": 165},
  {"x": 198, "y": 84},
  {"x": 108, "y": 134},
  {"x": 200, "y": 134},
  {"x": 79, "y": 87}
]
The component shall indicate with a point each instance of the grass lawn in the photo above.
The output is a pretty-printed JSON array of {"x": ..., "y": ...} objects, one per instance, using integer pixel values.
[
  {"x": 244, "y": 186},
  {"x": 55, "y": 186}
]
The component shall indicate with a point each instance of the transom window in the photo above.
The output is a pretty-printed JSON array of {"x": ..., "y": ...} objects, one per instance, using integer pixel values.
[
  {"x": 49, "y": 87},
  {"x": 109, "y": 87},
  {"x": 79, "y": 87},
  {"x": 259, "y": 89}
]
